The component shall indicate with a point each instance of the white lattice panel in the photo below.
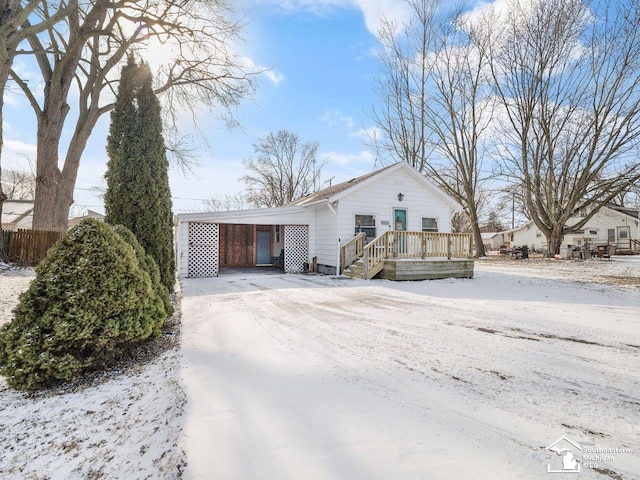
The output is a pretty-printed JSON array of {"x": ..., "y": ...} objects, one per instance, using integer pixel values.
[
  {"x": 296, "y": 248},
  {"x": 203, "y": 249}
]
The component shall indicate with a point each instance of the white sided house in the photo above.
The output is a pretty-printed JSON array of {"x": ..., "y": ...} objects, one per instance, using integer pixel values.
[
  {"x": 309, "y": 234},
  {"x": 610, "y": 226}
]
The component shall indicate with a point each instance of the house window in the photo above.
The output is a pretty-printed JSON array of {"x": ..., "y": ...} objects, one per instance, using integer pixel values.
[
  {"x": 366, "y": 224},
  {"x": 623, "y": 233},
  {"x": 611, "y": 234},
  {"x": 429, "y": 224},
  {"x": 538, "y": 234}
]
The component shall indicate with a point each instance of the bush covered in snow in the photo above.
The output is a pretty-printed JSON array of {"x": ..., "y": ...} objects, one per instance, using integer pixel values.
[
  {"x": 90, "y": 301},
  {"x": 148, "y": 264}
]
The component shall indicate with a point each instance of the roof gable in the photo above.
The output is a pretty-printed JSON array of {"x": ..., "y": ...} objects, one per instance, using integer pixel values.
[
  {"x": 329, "y": 192},
  {"x": 343, "y": 189}
]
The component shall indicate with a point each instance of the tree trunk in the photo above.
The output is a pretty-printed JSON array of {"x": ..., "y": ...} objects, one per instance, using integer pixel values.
[
  {"x": 554, "y": 241},
  {"x": 475, "y": 228},
  {"x": 477, "y": 238},
  {"x": 54, "y": 195}
]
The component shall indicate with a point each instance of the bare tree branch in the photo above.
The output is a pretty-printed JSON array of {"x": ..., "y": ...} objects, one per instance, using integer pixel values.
[
  {"x": 285, "y": 169},
  {"x": 567, "y": 76}
]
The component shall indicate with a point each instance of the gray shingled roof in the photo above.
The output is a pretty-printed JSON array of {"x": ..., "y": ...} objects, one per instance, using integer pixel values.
[{"x": 329, "y": 192}]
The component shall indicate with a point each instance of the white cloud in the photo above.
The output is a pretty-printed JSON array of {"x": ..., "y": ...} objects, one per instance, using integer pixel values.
[
  {"x": 335, "y": 117},
  {"x": 18, "y": 155},
  {"x": 364, "y": 158},
  {"x": 374, "y": 12},
  {"x": 367, "y": 134},
  {"x": 318, "y": 7},
  {"x": 275, "y": 76}
]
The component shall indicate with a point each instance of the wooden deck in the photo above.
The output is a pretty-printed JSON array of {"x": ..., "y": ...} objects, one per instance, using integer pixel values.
[
  {"x": 427, "y": 269},
  {"x": 409, "y": 255}
]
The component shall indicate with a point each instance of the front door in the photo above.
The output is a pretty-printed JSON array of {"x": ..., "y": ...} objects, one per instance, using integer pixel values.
[
  {"x": 400, "y": 224},
  {"x": 263, "y": 248},
  {"x": 400, "y": 219}
]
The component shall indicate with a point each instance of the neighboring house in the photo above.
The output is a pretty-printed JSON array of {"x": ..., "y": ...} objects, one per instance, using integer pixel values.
[
  {"x": 310, "y": 230},
  {"x": 491, "y": 240},
  {"x": 17, "y": 214},
  {"x": 611, "y": 225},
  {"x": 90, "y": 214}
]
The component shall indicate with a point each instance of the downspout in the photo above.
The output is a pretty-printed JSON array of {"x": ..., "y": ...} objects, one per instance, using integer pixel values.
[{"x": 335, "y": 213}]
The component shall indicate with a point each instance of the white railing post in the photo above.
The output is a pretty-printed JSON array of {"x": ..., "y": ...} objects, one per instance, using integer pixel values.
[{"x": 365, "y": 264}]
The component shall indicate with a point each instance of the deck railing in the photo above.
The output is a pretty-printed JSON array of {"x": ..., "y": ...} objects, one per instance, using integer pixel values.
[
  {"x": 352, "y": 250},
  {"x": 404, "y": 244}
]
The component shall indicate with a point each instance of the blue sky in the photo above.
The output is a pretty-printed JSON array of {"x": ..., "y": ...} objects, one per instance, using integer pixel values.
[{"x": 320, "y": 85}]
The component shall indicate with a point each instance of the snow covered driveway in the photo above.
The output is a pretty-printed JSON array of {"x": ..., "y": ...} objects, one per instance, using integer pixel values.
[{"x": 307, "y": 376}]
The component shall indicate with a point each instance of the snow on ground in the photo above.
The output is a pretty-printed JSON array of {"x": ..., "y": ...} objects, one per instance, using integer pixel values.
[
  {"x": 13, "y": 281},
  {"x": 321, "y": 378},
  {"x": 124, "y": 425},
  {"x": 317, "y": 377}
]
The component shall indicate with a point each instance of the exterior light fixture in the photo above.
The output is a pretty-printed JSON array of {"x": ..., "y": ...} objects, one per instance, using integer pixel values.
[{"x": 400, "y": 197}]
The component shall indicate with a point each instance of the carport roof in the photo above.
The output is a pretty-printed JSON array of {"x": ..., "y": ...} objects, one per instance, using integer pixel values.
[{"x": 238, "y": 214}]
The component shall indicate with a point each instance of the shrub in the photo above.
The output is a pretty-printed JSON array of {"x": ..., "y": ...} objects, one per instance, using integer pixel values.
[
  {"x": 148, "y": 264},
  {"x": 89, "y": 302}
]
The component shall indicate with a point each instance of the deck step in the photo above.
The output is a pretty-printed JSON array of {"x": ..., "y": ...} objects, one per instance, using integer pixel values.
[{"x": 356, "y": 270}]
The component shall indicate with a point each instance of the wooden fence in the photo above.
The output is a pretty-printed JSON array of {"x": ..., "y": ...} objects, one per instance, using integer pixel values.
[{"x": 27, "y": 247}]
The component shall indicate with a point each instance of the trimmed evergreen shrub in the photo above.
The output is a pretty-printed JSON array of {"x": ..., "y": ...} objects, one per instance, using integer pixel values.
[
  {"x": 148, "y": 264},
  {"x": 138, "y": 193},
  {"x": 89, "y": 302}
]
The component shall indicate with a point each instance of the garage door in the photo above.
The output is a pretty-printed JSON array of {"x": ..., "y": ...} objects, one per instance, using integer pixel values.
[{"x": 203, "y": 249}]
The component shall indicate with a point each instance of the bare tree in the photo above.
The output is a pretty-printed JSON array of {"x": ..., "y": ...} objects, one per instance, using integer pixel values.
[
  {"x": 19, "y": 185},
  {"x": 285, "y": 169},
  {"x": 18, "y": 20},
  {"x": 567, "y": 76},
  {"x": 226, "y": 203},
  {"x": 84, "y": 53},
  {"x": 437, "y": 101}
]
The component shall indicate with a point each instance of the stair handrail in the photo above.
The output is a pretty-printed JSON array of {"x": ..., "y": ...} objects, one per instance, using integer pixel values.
[
  {"x": 352, "y": 250},
  {"x": 375, "y": 252}
]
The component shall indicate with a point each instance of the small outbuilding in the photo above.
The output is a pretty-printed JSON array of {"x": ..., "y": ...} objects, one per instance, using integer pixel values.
[{"x": 307, "y": 233}]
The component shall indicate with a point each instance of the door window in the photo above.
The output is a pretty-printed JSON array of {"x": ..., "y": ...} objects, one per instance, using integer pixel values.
[{"x": 400, "y": 219}]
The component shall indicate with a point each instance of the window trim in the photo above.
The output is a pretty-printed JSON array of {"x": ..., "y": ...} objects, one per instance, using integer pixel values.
[
  {"x": 362, "y": 229},
  {"x": 427, "y": 229}
]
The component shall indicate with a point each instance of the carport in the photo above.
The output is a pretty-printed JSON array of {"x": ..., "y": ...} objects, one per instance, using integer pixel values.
[{"x": 266, "y": 237}]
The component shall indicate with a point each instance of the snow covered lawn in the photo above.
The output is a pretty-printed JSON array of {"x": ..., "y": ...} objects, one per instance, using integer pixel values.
[
  {"x": 305, "y": 376},
  {"x": 122, "y": 425}
]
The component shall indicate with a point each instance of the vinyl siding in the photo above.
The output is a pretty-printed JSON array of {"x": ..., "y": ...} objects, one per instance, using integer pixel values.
[
  {"x": 326, "y": 236},
  {"x": 380, "y": 198}
]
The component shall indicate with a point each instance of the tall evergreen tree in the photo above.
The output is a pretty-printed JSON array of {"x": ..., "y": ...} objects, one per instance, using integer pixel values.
[{"x": 138, "y": 194}]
